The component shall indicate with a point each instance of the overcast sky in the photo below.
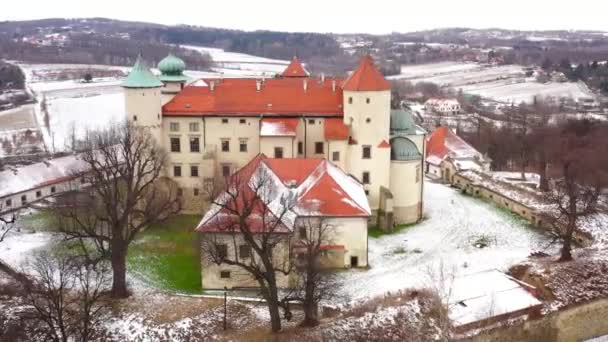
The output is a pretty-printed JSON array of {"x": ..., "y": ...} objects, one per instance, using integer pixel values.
[{"x": 374, "y": 16}]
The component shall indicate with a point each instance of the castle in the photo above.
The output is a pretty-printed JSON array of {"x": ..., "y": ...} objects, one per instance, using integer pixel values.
[{"x": 212, "y": 127}]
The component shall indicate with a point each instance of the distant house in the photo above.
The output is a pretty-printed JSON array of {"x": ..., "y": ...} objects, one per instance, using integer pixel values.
[
  {"x": 317, "y": 189},
  {"x": 448, "y": 154},
  {"x": 443, "y": 106}
]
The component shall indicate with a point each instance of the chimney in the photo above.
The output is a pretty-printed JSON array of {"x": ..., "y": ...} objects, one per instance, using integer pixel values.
[
  {"x": 333, "y": 85},
  {"x": 305, "y": 85},
  {"x": 258, "y": 85},
  {"x": 212, "y": 85}
]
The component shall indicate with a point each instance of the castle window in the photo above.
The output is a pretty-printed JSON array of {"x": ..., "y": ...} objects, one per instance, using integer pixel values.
[
  {"x": 23, "y": 199},
  {"x": 278, "y": 152},
  {"x": 300, "y": 147},
  {"x": 194, "y": 127},
  {"x": 195, "y": 144},
  {"x": 221, "y": 250},
  {"x": 242, "y": 121},
  {"x": 350, "y": 100},
  {"x": 175, "y": 146},
  {"x": 177, "y": 171},
  {"x": 366, "y": 192},
  {"x": 365, "y": 177},
  {"x": 245, "y": 251},
  {"x": 311, "y": 121},
  {"x": 335, "y": 156},
  {"x": 225, "y": 274},
  {"x": 368, "y": 120},
  {"x": 9, "y": 202},
  {"x": 243, "y": 145},
  {"x": 224, "y": 121},
  {"x": 196, "y": 191},
  {"x": 367, "y": 152},
  {"x": 174, "y": 126},
  {"x": 367, "y": 100},
  {"x": 225, "y": 145},
  {"x": 319, "y": 147},
  {"x": 53, "y": 189},
  {"x": 193, "y": 170},
  {"x": 226, "y": 170},
  {"x": 134, "y": 117},
  {"x": 38, "y": 194},
  {"x": 302, "y": 232}
]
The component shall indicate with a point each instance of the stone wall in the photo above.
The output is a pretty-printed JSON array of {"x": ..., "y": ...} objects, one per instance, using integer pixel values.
[{"x": 576, "y": 323}]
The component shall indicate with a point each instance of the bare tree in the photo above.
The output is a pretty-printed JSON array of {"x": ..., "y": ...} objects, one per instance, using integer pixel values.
[
  {"x": 66, "y": 299},
  {"x": 8, "y": 223},
  {"x": 241, "y": 231},
  {"x": 584, "y": 177},
  {"x": 124, "y": 167},
  {"x": 315, "y": 281}
]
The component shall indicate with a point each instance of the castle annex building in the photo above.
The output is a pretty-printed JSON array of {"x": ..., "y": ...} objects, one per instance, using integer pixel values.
[{"x": 212, "y": 127}]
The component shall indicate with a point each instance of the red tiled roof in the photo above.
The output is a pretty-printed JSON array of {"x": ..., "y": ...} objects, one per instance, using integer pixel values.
[
  {"x": 366, "y": 78},
  {"x": 277, "y": 96},
  {"x": 335, "y": 129},
  {"x": 320, "y": 189},
  {"x": 443, "y": 142},
  {"x": 295, "y": 69},
  {"x": 279, "y": 127},
  {"x": 293, "y": 169},
  {"x": 384, "y": 144}
]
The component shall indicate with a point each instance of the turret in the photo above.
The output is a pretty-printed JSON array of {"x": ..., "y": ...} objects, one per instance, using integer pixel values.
[
  {"x": 142, "y": 91},
  {"x": 367, "y": 99},
  {"x": 172, "y": 75}
]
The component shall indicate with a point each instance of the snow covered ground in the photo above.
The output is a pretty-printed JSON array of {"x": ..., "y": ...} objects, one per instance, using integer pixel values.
[
  {"x": 443, "y": 242},
  {"x": 432, "y": 69},
  {"x": 240, "y": 64},
  {"x": 509, "y": 92}
]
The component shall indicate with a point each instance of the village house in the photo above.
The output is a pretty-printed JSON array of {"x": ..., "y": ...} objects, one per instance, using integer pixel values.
[
  {"x": 443, "y": 106},
  {"x": 214, "y": 126},
  {"x": 317, "y": 191},
  {"x": 448, "y": 154}
]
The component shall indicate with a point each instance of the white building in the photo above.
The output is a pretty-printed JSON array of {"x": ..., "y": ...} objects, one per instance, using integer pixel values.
[
  {"x": 448, "y": 154},
  {"x": 443, "y": 106},
  {"x": 213, "y": 127}
]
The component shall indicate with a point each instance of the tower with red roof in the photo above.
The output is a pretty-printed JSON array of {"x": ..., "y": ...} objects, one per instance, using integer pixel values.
[{"x": 367, "y": 110}]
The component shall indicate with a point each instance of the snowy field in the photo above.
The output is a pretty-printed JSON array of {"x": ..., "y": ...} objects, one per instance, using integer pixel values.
[
  {"x": 234, "y": 64},
  {"x": 433, "y": 69},
  {"x": 474, "y": 76},
  {"x": 505, "y": 91},
  {"x": 413, "y": 257}
]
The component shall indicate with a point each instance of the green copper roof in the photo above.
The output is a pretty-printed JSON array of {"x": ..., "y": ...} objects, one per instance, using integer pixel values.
[
  {"x": 172, "y": 68},
  {"x": 402, "y": 122},
  {"x": 141, "y": 77},
  {"x": 403, "y": 149}
]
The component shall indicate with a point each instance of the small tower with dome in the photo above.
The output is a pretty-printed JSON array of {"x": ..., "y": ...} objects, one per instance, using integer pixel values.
[
  {"x": 142, "y": 91},
  {"x": 172, "y": 75}
]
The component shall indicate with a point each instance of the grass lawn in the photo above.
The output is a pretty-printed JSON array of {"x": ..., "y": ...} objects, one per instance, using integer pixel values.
[
  {"x": 166, "y": 255},
  {"x": 376, "y": 232}
]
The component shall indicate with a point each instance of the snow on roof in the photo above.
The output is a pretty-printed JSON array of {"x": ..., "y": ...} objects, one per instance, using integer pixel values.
[
  {"x": 483, "y": 295},
  {"x": 279, "y": 127},
  {"x": 40, "y": 174},
  {"x": 316, "y": 187},
  {"x": 444, "y": 143}
]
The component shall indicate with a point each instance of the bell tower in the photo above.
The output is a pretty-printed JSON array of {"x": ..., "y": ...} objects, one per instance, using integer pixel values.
[
  {"x": 142, "y": 91},
  {"x": 367, "y": 107}
]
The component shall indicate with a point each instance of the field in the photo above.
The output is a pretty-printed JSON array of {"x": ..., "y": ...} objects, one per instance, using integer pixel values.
[
  {"x": 506, "y": 84},
  {"x": 19, "y": 132}
]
